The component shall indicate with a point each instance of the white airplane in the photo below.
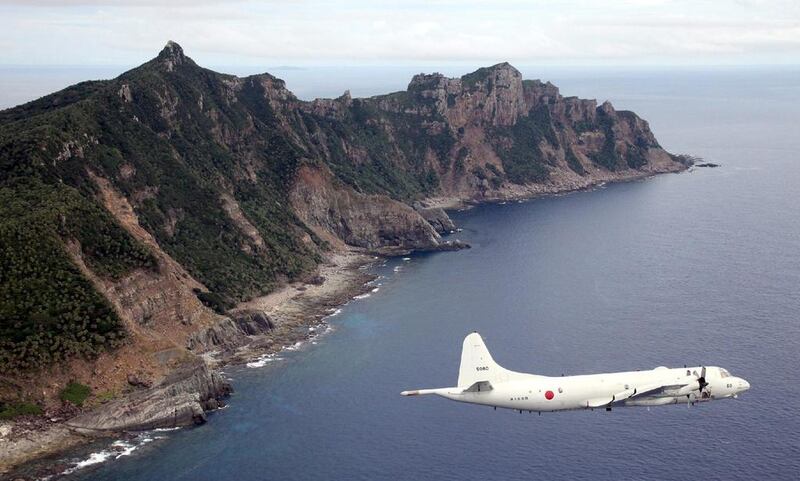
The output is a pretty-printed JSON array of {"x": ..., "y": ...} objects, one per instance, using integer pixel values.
[{"x": 483, "y": 381}]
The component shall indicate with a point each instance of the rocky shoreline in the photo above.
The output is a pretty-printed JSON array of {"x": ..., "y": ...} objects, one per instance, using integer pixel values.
[
  {"x": 270, "y": 324},
  {"x": 253, "y": 331},
  {"x": 558, "y": 186}
]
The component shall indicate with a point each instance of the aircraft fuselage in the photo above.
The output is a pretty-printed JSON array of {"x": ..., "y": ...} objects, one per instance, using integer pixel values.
[
  {"x": 529, "y": 392},
  {"x": 482, "y": 381}
]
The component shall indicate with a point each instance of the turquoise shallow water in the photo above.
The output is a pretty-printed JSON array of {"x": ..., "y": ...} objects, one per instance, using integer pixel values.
[{"x": 694, "y": 268}]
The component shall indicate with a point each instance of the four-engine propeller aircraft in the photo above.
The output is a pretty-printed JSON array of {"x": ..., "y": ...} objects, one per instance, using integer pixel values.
[{"x": 483, "y": 381}]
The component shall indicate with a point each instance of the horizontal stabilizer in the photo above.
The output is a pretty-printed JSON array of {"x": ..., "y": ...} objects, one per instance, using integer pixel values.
[
  {"x": 441, "y": 390},
  {"x": 479, "y": 386}
]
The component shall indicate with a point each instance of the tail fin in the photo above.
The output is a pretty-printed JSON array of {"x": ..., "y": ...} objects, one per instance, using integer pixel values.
[{"x": 477, "y": 364}]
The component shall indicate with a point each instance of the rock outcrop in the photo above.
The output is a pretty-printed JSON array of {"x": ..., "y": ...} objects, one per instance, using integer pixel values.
[
  {"x": 436, "y": 217},
  {"x": 230, "y": 332},
  {"x": 373, "y": 222},
  {"x": 181, "y": 399}
]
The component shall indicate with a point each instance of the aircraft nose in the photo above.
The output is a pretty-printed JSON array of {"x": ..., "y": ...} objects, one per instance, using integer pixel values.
[{"x": 743, "y": 385}]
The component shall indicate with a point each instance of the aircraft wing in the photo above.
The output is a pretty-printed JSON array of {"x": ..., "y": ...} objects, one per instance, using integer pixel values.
[{"x": 645, "y": 390}]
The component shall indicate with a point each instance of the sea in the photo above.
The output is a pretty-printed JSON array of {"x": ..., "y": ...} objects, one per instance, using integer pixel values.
[{"x": 697, "y": 268}]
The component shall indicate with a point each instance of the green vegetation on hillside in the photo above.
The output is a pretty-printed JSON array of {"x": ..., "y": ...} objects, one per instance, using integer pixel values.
[
  {"x": 207, "y": 162},
  {"x": 48, "y": 310},
  {"x": 364, "y": 127},
  {"x": 75, "y": 393},
  {"x": 524, "y": 161},
  {"x": 176, "y": 172},
  {"x": 572, "y": 161},
  {"x": 12, "y": 410},
  {"x": 607, "y": 157},
  {"x": 474, "y": 79}
]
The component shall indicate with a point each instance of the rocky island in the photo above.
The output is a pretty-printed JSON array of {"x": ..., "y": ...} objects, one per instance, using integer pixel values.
[{"x": 173, "y": 218}]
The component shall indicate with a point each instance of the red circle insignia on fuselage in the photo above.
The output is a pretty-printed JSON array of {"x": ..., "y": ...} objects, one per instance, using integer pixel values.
[{"x": 549, "y": 395}]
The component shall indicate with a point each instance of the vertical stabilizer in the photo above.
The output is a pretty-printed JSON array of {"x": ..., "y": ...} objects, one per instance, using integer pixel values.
[{"x": 477, "y": 364}]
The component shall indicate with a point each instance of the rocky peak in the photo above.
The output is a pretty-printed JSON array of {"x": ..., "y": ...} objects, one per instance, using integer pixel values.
[
  {"x": 172, "y": 55},
  {"x": 491, "y": 95},
  {"x": 505, "y": 69},
  {"x": 346, "y": 98},
  {"x": 607, "y": 108},
  {"x": 424, "y": 81},
  {"x": 501, "y": 75}
]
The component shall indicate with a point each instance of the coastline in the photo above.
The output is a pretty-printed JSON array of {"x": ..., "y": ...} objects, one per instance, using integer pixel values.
[
  {"x": 295, "y": 310},
  {"x": 558, "y": 186},
  {"x": 298, "y": 308},
  {"x": 298, "y": 311}
]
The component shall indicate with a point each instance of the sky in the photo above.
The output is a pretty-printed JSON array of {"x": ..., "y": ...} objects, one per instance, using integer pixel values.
[{"x": 406, "y": 32}]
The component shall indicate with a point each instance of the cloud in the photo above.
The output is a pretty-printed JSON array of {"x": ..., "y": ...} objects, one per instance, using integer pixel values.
[
  {"x": 381, "y": 31},
  {"x": 66, "y": 4}
]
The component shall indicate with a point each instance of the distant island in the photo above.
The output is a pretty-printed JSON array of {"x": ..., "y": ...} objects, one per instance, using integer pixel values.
[{"x": 173, "y": 218}]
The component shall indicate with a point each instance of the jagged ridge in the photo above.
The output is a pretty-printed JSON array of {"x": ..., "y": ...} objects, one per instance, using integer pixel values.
[{"x": 217, "y": 188}]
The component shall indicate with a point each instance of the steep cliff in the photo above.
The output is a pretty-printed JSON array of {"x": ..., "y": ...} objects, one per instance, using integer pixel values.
[
  {"x": 135, "y": 212},
  {"x": 491, "y": 135}
]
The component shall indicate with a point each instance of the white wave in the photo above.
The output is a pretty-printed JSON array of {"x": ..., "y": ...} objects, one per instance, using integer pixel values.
[
  {"x": 94, "y": 458},
  {"x": 164, "y": 430},
  {"x": 398, "y": 268},
  {"x": 294, "y": 346},
  {"x": 406, "y": 259},
  {"x": 125, "y": 449},
  {"x": 362, "y": 296},
  {"x": 335, "y": 312},
  {"x": 263, "y": 361},
  {"x": 116, "y": 450},
  {"x": 376, "y": 289}
]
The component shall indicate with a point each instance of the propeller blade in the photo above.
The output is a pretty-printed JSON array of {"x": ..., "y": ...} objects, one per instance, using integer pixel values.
[{"x": 702, "y": 379}]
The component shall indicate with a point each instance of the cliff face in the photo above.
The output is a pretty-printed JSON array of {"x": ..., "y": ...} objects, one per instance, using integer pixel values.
[
  {"x": 491, "y": 134},
  {"x": 135, "y": 212},
  {"x": 373, "y": 221}
]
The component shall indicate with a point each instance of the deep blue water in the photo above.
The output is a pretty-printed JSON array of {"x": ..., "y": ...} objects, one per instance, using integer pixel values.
[{"x": 701, "y": 267}]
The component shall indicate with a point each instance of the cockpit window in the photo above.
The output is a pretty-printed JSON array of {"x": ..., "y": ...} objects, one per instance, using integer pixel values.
[{"x": 723, "y": 373}]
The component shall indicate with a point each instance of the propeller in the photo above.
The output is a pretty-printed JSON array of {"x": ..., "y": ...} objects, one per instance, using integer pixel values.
[
  {"x": 701, "y": 385},
  {"x": 701, "y": 381}
]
